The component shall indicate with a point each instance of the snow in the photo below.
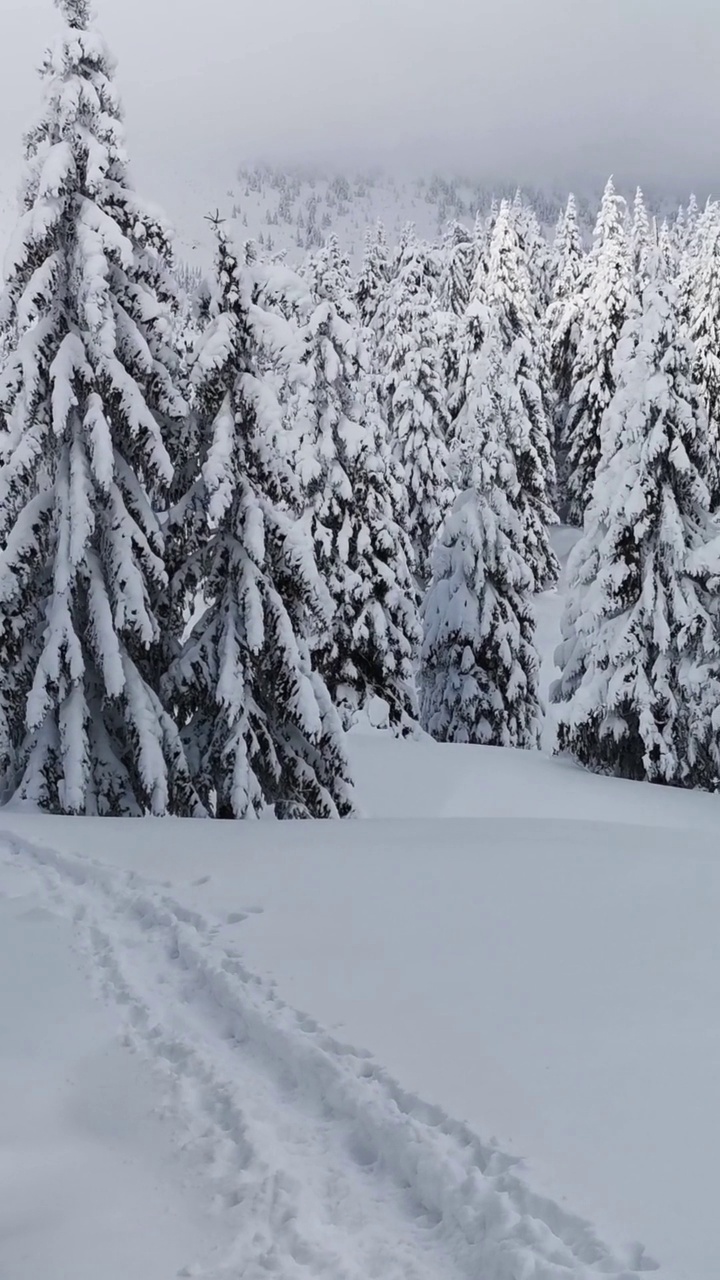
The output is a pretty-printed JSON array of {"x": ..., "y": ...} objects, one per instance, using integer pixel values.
[
  {"x": 530, "y": 949},
  {"x": 84, "y": 1151}
]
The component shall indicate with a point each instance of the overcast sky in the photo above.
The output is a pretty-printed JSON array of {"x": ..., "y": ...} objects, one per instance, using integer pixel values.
[{"x": 524, "y": 89}]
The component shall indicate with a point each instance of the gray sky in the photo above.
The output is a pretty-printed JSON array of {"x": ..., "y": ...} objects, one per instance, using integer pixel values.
[{"x": 531, "y": 90}]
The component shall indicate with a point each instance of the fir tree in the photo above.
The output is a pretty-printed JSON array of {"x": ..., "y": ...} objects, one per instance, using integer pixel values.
[
  {"x": 640, "y": 659},
  {"x": 482, "y": 231},
  {"x": 87, "y": 388},
  {"x": 507, "y": 293},
  {"x": 700, "y": 289},
  {"x": 563, "y": 332},
  {"x": 641, "y": 242},
  {"x": 458, "y": 269},
  {"x": 354, "y": 490},
  {"x": 260, "y": 727},
  {"x": 479, "y": 667},
  {"x": 372, "y": 283},
  {"x": 536, "y": 253},
  {"x": 668, "y": 262},
  {"x": 414, "y": 398},
  {"x": 605, "y": 308}
]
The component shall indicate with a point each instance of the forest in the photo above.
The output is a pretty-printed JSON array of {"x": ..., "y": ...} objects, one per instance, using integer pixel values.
[{"x": 238, "y": 513}]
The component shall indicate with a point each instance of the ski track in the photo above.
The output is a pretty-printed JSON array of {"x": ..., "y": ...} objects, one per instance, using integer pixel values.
[{"x": 328, "y": 1167}]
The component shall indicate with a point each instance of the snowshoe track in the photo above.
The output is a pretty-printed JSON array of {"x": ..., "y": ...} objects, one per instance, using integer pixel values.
[{"x": 329, "y": 1168}]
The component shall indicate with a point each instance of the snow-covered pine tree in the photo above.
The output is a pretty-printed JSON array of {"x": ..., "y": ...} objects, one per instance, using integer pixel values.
[
  {"x": 355, "y": 490},
  {"x": 458, "y": 269},
  {"x": 260, "y": 727},
  {"x": 700, "y": 291},
  {"x": 642, "y": 242},
  {"x": 536, "y": 253},
  {"x": 459, "y": 262},
  {"x": 507, "y": 292},
  {"x": 479, "y": 668},
  {"x": 668, "y": 262},
  {"x": 640, "y": 660},
  {"x": 482, "y": 231},
  {"x": 563, "y": 331},
  {"x": 87, "y": 385},
  {"x": 606, "y": 299},
  {"x": 679, "y": 232},
  {"x": 692, "y": 216},
  {"x": 414, "y": 399},
  {"x": 373, "y": 280}
]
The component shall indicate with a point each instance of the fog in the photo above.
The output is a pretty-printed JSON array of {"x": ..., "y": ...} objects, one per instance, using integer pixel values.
[{"x": 533, "y": 90}]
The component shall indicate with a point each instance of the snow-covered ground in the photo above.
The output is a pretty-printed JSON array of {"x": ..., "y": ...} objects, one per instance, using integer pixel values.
[{"x": 531, "y": 950}]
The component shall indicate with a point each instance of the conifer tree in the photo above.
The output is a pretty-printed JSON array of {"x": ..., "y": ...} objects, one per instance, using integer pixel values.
[
  {"x": 606, "y": 300},
  {"x": 479, "y": 667},
  {"x": 88, "y": 390},
  {"x": 482, "y": 231},
  {"x": 458, "y": 269},
  {"x": 692, "y": 216},
  {"x": 679, "y": 232},
  {"x": 640, "y": 661},
  {"x": 641, "y": 242},
  {"x": 414, "y": 398},
  {"x": 507, "y": 292},
  {"x": 373, "y": 281},
  {"x": 536, "y": 254},
  {"x": 563, "y": 332},
  {"x": 700, "y": 289},
  {"x": 259, "y": 724},
  {"x": 460, "y": 260},
  {"x": 357, "y": 501},
  {"x": 668, "y": 262}
]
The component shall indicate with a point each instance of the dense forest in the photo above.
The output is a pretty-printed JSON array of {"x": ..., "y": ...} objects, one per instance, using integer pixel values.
[{"x": 237, "y": 512}]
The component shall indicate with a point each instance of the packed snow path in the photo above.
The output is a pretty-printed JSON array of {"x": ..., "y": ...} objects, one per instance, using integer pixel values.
[{"x": 325, "y": 1166}]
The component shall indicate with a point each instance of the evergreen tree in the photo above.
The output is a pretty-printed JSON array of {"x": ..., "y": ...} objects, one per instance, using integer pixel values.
[
  {"x": 668, "y": 262},
  {"x": 563, "y": 332},
  {"x": 372, "y": 283},
  {"x": 87, "y": 389},
  {"x": 458, "y": 269},
  {"x": 692, "y": 216},
  {"x": 641, "y": 242},
  {"x": 355, "y": 490},
  {"x": 461, "y": 256},
  {"x": 259, "y": 724},
  {"x": 479, "y": 667},
  {"x": 414, "y": 398},
  {"x": 640, "y": 681},
  {"x": 482, "y": 231},
  {"x": 701, "y": 303},
  {"x": 605, "y": 308},
  {"x": 507, "y": 293},
  {"x": 679, "y": 232},
  {"x": 536, "y": 253}
]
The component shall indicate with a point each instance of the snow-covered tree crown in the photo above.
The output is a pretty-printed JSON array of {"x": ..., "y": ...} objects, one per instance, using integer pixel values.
[
  {"x": 77, "y": 13},
  {"x": 87, "y": 392}
]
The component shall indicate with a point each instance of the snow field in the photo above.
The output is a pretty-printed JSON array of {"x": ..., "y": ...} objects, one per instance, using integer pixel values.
[
  {"x": 324, "y": 1163},
  {"x": 534, "y": 952}
]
